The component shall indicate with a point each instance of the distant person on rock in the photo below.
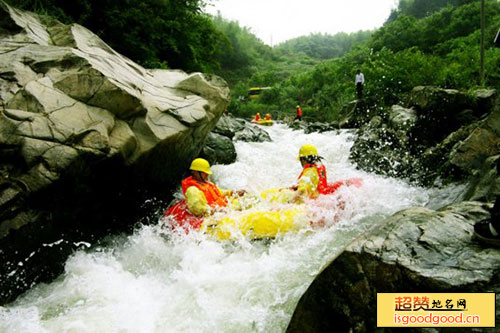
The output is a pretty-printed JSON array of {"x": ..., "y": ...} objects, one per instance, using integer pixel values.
[
  {"x": 298, "y": 109},
  {"x": 360, "y": 82}
]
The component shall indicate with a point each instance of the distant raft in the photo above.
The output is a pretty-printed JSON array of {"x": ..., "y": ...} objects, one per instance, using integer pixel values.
[{"x": 263, "y": 122}]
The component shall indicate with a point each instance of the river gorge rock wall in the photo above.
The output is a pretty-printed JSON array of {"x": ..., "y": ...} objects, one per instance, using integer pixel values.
[
  {"x": 84, "y": 133},
  {"x": 438, "y": 136}
]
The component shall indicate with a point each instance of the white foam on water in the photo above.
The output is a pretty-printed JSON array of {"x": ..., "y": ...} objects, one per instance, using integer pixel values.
[{"x": 156, "y": 281}]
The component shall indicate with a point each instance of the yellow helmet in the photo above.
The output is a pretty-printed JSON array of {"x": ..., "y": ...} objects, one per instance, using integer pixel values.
[
  {"x": 298, "y": 106},
  {"x": 308, "y": 150},
  {"x": 202, "y": 165}
]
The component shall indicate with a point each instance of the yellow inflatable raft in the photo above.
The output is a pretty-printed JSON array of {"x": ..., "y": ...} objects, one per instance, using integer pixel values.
[
  {"x": 263, "y": 122},
  {"x": 256, "y": 224}
]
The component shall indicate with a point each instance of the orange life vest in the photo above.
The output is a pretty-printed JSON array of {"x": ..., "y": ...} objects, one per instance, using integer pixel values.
[
  {"x": 257, "y": 117},
  {"x": 323, "y": 186},
  {"x": 180, "y": 215},
  {"x": 268, "y": 117},
  {"x": 211, "y": 191},
  {"x": 299, "y": 112}
]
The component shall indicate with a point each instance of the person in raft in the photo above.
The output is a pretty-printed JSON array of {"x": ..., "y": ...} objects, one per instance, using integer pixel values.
[
  {"x": 268, "y": 117},
  {"x": 257, "y": 117},
  {"x": 312, "y": 180},
  {"x": 202, "y": 196}
]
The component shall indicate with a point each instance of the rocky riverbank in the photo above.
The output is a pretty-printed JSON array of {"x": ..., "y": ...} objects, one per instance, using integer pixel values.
[
  {"x": 438, "y": 137},
  {"x": 417, "y": 250}
]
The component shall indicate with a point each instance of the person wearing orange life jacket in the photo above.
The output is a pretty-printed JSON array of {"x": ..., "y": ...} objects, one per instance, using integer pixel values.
[
  {"x": 202, "y": 196},
  {"x": 268, "y": 117},
  {"x": 257, "y": 117},
  {"x": 299, "y": 113},
  {"x": 313, "y": 179}
]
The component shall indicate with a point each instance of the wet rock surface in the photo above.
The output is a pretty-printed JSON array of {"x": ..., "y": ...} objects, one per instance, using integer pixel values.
[
  {"x": 442, "y": 136},
  {"x": 417, "y": 250},
  {"x": 359, "y": 112},
  {"x": 218, "y": 149},
  {"x": 240, "y": 129},
  {"x": 219, "y": 145}
]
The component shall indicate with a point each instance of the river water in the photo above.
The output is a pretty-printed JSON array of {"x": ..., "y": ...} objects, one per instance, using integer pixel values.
[{"x": 156, "y": 281}]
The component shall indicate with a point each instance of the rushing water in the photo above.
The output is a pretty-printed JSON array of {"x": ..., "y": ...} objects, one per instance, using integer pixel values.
[{"x": 153, "y": 281}]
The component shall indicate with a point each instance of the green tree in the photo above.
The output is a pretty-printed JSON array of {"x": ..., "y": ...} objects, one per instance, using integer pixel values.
[{"x": 175, "y": 33}]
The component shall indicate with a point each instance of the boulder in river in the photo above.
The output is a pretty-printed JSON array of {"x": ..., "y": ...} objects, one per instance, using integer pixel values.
[
  {"x": 417, "y": 250},
  {"x": 218, "y": 149},
  {"x": 240, "y": 129},
  {"x": 359, "y": 112}
]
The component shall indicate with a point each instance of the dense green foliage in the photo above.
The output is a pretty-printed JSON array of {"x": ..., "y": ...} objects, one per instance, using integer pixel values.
[
  {"x": 323, "y": 46},
  {"x": 422, "y": 8},
  {"x": 242, "y": 54},
  {"x": 155, "y": 33},
  {"x": 440, "y": 49},
  {"x": 443, "y": 26}
]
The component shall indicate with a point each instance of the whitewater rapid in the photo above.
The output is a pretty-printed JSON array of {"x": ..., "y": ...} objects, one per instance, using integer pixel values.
[{"x": 156, "y": 281}]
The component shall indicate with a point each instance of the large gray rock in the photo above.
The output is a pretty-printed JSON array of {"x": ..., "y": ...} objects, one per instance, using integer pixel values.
[
  {"x": 402, "y": 118},
  {"x": 219, "y": 149},
  {"x": 81, "y": 126},
  {"x": 464, "y": 152},
  {"x": 443, "y": 111},
  {"x": 439, "y": 139},
  {"x": 485, "y": 183},
  {"x": 385, "y": 150},
  {"x": 359, "y": 112},
  {"x": 483, "y": 142},
  {"x": 240, "y": 129},
  {"x": 320, "y": 127},
  {"x": 229, "y": 126},
  {"x": 418, "y": 250}
]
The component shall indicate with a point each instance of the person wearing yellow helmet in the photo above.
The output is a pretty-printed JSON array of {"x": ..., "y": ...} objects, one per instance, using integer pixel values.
[
  {"x": 268, "y": 116},
  {"x": 202, "y": 196},
  {"x": 312, "y": 179}
]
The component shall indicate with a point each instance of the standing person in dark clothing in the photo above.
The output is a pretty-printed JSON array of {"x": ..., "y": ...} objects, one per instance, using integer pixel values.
[{"x": 360, "y": 82}]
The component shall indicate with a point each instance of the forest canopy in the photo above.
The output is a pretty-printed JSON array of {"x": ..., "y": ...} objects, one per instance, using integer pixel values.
[{"x": 423, "y": 42}]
